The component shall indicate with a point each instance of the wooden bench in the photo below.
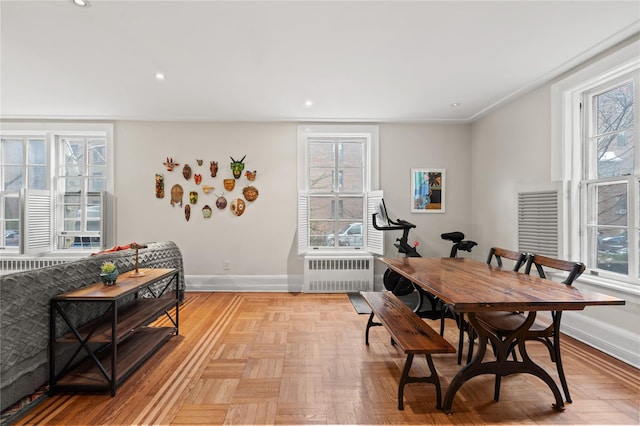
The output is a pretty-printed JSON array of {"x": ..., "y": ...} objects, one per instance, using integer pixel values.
[{"x": 410, "y": 333}]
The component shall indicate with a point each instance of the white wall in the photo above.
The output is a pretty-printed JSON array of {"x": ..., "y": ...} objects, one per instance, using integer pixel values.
[
  {"x": 441, "y": 146},
  {"x": 261, "y": 244},
  {"x": 510, "y": 151}
]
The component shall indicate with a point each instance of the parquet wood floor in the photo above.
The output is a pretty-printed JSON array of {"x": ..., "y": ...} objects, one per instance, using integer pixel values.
[{"x": 281, "y": 358}]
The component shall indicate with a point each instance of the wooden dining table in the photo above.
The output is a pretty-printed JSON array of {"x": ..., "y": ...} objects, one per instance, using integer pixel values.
[{"x": 469, "y": 286}]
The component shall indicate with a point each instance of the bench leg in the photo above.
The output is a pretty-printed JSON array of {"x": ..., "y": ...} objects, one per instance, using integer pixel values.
[
  {"x": 436, "y": 381},
  {"x": 370, "y": 323},
  {"x": 405, "y": 378}
]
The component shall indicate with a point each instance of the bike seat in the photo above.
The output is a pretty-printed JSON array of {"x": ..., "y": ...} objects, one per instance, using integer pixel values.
[
  {"x": 467, "y": 245},
  {"x": 456, "y": 237}
]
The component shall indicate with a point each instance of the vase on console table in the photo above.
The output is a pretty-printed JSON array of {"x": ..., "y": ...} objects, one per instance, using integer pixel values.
[{"x": 109, "y": 273}]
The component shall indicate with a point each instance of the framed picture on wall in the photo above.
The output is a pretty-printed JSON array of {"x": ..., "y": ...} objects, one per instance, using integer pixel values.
[{"x": 427, "y": 190}]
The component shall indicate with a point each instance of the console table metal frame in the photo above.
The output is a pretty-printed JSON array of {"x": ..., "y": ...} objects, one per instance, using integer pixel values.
[{"x": 122, "y": 334}]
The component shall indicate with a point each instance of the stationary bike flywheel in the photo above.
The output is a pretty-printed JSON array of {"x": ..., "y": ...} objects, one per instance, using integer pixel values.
[{"x": 396, "y": 283}]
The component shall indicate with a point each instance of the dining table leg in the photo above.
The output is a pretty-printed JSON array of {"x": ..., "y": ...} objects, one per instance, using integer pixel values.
[{"x": 501, "y": 366}]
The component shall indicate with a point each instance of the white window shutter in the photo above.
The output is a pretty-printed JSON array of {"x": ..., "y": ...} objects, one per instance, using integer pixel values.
[
  {"x": 538, "y": 222},
  {"x": 303, "y": 222},
  {"x": 35, "y": 221},
  {"x": 375, "y": 238}
]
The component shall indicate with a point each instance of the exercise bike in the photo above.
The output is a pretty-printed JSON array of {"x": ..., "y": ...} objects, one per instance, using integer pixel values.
[{"x": 428, "y": 306}]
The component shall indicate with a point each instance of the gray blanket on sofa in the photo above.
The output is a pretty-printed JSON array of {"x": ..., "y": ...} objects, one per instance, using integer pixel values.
[{"x": 24, "y": 311}]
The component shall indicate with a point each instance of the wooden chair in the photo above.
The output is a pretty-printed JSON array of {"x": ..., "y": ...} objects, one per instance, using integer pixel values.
[
  {"x": 498, "y": 254},
  {"x": 503, "y": 323}
]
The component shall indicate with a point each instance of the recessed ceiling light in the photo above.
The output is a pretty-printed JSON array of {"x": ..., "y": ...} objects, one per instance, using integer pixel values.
[
  {"x": 455, "y": 105},
  {"x": 308, "y": 103},
  {"x": 159, "y": 76},
  {"x": 81, "y": 3}
]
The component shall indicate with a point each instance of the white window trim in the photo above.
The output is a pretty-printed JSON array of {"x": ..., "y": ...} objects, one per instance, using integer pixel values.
[
  {"x": 371, "y": 182},
  {"x": 566, "y": 147},
  {"x": 49, "y": 131}
]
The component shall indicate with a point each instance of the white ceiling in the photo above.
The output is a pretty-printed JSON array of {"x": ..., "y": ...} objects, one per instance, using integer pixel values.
[{"x": 357, "y": 61}]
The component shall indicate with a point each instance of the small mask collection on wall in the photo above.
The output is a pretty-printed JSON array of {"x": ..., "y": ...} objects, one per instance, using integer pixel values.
[{"x": 237, "y": 205}]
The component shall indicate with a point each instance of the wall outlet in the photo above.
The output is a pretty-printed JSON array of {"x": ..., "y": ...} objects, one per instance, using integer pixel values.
[{"x": 226, "y": 265}]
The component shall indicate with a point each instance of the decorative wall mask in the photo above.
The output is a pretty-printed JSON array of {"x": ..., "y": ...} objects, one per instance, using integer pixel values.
[
  {"x": 221, "y": 202},
  {"x": 250, "y": 193},
  {"x": 237, "y": 207},
  {"x": 170, "y": 164},
  {"x": 229, "y": 184},
  {"x": 176, "y": 195},
  {"x": 159, "y": 186},
  {"x": 237, "y": 167},
  {"x": 186, "y": 171},
  {"x": 193, "y": 197}
]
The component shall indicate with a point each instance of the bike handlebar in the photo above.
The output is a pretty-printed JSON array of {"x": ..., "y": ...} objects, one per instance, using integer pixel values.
[{"x": 398, "y": 225}]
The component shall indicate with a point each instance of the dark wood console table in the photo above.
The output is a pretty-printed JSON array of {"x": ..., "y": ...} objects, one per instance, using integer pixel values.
[{"x": 120, "y": 340}]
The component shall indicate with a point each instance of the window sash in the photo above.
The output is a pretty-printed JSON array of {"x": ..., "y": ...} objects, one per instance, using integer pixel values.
[
  {"x": 81, "y": 182},
  {"x": 24, "y": 164},
  {"x": 328, "y": 175},
  {"x": 329, "y": 214},
  {"x": 610, "y": 185}
]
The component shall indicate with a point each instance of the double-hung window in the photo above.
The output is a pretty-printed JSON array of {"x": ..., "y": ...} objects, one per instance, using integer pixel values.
[
  {"x": 81, "y": 182},
  {"x": 23, "y": 165},
  {"x": 598, "y": 137},
  {"x": 610, "y": 185},
  {"x": 54, "y": 181},
  {"x": 337, "y": 171}
]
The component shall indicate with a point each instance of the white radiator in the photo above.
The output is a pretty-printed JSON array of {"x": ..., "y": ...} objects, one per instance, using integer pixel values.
[
  {"x": 9, "y": 266},
  {"x": 338, "y": 274}
]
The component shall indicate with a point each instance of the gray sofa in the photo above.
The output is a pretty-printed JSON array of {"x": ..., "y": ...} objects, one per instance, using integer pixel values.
[{"x": 24, "y": 311}]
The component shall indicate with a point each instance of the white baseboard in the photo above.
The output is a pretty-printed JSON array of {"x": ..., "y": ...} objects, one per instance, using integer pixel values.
[
  {"x": 244, "y": 283},
  {"x": 619, "y": 343}
]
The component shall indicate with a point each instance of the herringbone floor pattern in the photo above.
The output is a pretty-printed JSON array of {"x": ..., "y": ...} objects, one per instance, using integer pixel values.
[{"x": 279, "y": 358}]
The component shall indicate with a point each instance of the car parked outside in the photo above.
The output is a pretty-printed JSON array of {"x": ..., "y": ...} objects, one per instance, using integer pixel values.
[
  {"x": 615, "y": 244},
  {"x": 11, "y": 238},
  {"x": 349, "y": 235}
]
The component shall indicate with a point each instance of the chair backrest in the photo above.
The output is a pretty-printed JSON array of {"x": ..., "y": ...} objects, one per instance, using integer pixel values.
[
  {"x": 500, "y": 253},
  {"x": 575, "y": 269}
]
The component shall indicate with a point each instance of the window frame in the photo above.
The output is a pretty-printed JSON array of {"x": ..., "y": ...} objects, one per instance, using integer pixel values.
[
  {"x": 50, "y": 133},
  {"x": 85, "y": 195},
  {"x": 569, "y": 157},
  {"x": 369, "y": 193},
  {"x": 26, "y": 138}
]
